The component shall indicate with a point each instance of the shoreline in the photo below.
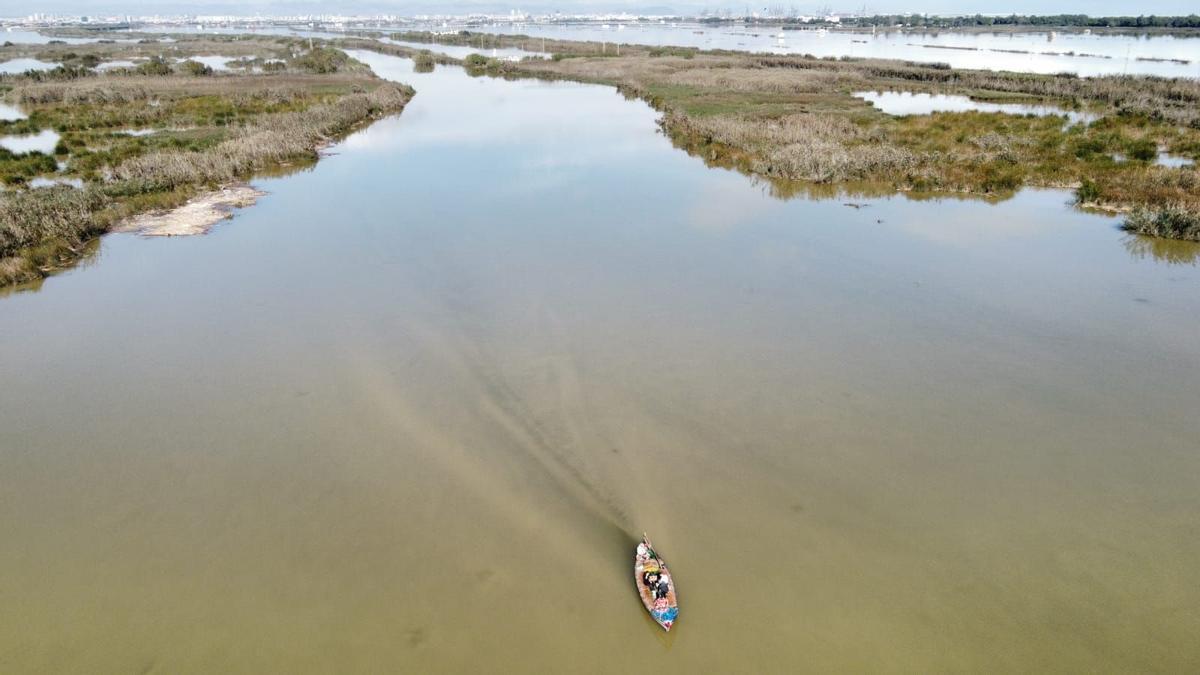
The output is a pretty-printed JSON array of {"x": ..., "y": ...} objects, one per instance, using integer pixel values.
[{"x": 196, "y": 216}]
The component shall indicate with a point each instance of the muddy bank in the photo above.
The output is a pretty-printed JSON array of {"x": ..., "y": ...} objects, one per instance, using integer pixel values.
[{"x": 197, "y": 216}]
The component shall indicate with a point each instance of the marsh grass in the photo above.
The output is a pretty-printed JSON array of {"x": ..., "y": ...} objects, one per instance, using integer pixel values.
[
  {"x": 19, "y": 169},
  {"x": 272, "y": 139},
  {"x": 40, "y": 228},
  {"x": 1171, "y": 221},
  {"x": 423, "y": 61},
  {"x": 813, "y": 148}
]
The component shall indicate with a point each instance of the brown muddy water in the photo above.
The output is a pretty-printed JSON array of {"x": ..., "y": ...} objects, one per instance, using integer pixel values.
[{"x": 410, "y": 412}]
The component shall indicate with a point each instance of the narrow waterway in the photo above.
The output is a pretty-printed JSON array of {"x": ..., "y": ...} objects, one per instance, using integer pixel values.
[{"x": 410, "y": 412}]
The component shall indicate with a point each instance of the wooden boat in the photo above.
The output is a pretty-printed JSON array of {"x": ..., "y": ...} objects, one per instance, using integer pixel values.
[{"x": 655, "y": 585}]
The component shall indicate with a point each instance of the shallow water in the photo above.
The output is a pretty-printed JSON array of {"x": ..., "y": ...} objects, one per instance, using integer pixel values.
[
  {"x": 32, "y": 37},
  {"x": 11, "y": 112},
  {"x": 409, "y": 413},
  {"x": 18, "y": 66},
  {"x": 919, "y": 103},
  {"x": 1163, "y": 159},
  {"x": 213, "y": 61},
  {"x": 51, "y": 182},
  {"x": 1093, "y": 54},
  {"x": 193, "y": 29},
  {"x": 44, "y": 142},
  {"x": 109, "y": 65},
  {"x": 1175, "y": 161}
]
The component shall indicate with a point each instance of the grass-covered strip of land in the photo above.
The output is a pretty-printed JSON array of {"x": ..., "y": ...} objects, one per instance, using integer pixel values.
[
  {"x": 197, "y": 130},
  {"x": 794, "y": 118}
]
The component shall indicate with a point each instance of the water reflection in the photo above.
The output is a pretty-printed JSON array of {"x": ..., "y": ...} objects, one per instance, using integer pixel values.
[
  {"x": 1169, "y": 251},
  {"x": 88, "y": 255}
]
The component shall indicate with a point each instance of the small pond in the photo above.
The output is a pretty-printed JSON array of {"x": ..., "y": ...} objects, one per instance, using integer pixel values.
[
  {"x": 41, "y": 182},
  {"x": 18, "y": 66},
  {"x": 1175, "y": 161},
  {"x": 111, "y": 65},
  {"x": 915, "y": 103},
  {"x": 43, "y": 141},
  {"x": 9, "y": 112}
]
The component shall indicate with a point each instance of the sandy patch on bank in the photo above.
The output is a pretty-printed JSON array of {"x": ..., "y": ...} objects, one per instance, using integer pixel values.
[{"x": 197, "y": 216}]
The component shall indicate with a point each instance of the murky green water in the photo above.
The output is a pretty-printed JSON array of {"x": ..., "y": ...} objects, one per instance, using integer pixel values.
[{"x": 409, "y": 412}]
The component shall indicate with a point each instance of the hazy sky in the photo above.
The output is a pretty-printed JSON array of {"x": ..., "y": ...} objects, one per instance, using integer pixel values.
[{"x": 1094, "y": 7}]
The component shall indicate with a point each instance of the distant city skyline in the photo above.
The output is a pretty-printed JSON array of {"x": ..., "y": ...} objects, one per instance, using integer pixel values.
[{"x": 691, "y": 7}]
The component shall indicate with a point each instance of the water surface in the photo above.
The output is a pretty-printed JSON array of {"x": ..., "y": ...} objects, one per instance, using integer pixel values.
[
  {"x": 18, "y": 66},
  {"x": 43, "y": 141},
  {"x": 11, "y": 113},
  {"x": 920, "y": 103},
  {"x": 463, "y": 51},
  {"x": 1085, "y": 54},
  {"x": 409, "y": 413},
  {"x": 33, "y": 37},
  {"x": 213, "y": 61},
  {"x": 110, "y": 65},
  {"x": 1175, "y": 161},
  {"x": 51, "y": 182}
]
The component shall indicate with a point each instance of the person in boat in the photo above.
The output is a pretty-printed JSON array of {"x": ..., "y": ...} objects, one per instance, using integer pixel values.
[
  {"x": 662, "y": 587},
  {"x": 651, "y": 579}
]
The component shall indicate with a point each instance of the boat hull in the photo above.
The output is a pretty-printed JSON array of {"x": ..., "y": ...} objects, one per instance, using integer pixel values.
[{"x": 655, "y": 585}]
